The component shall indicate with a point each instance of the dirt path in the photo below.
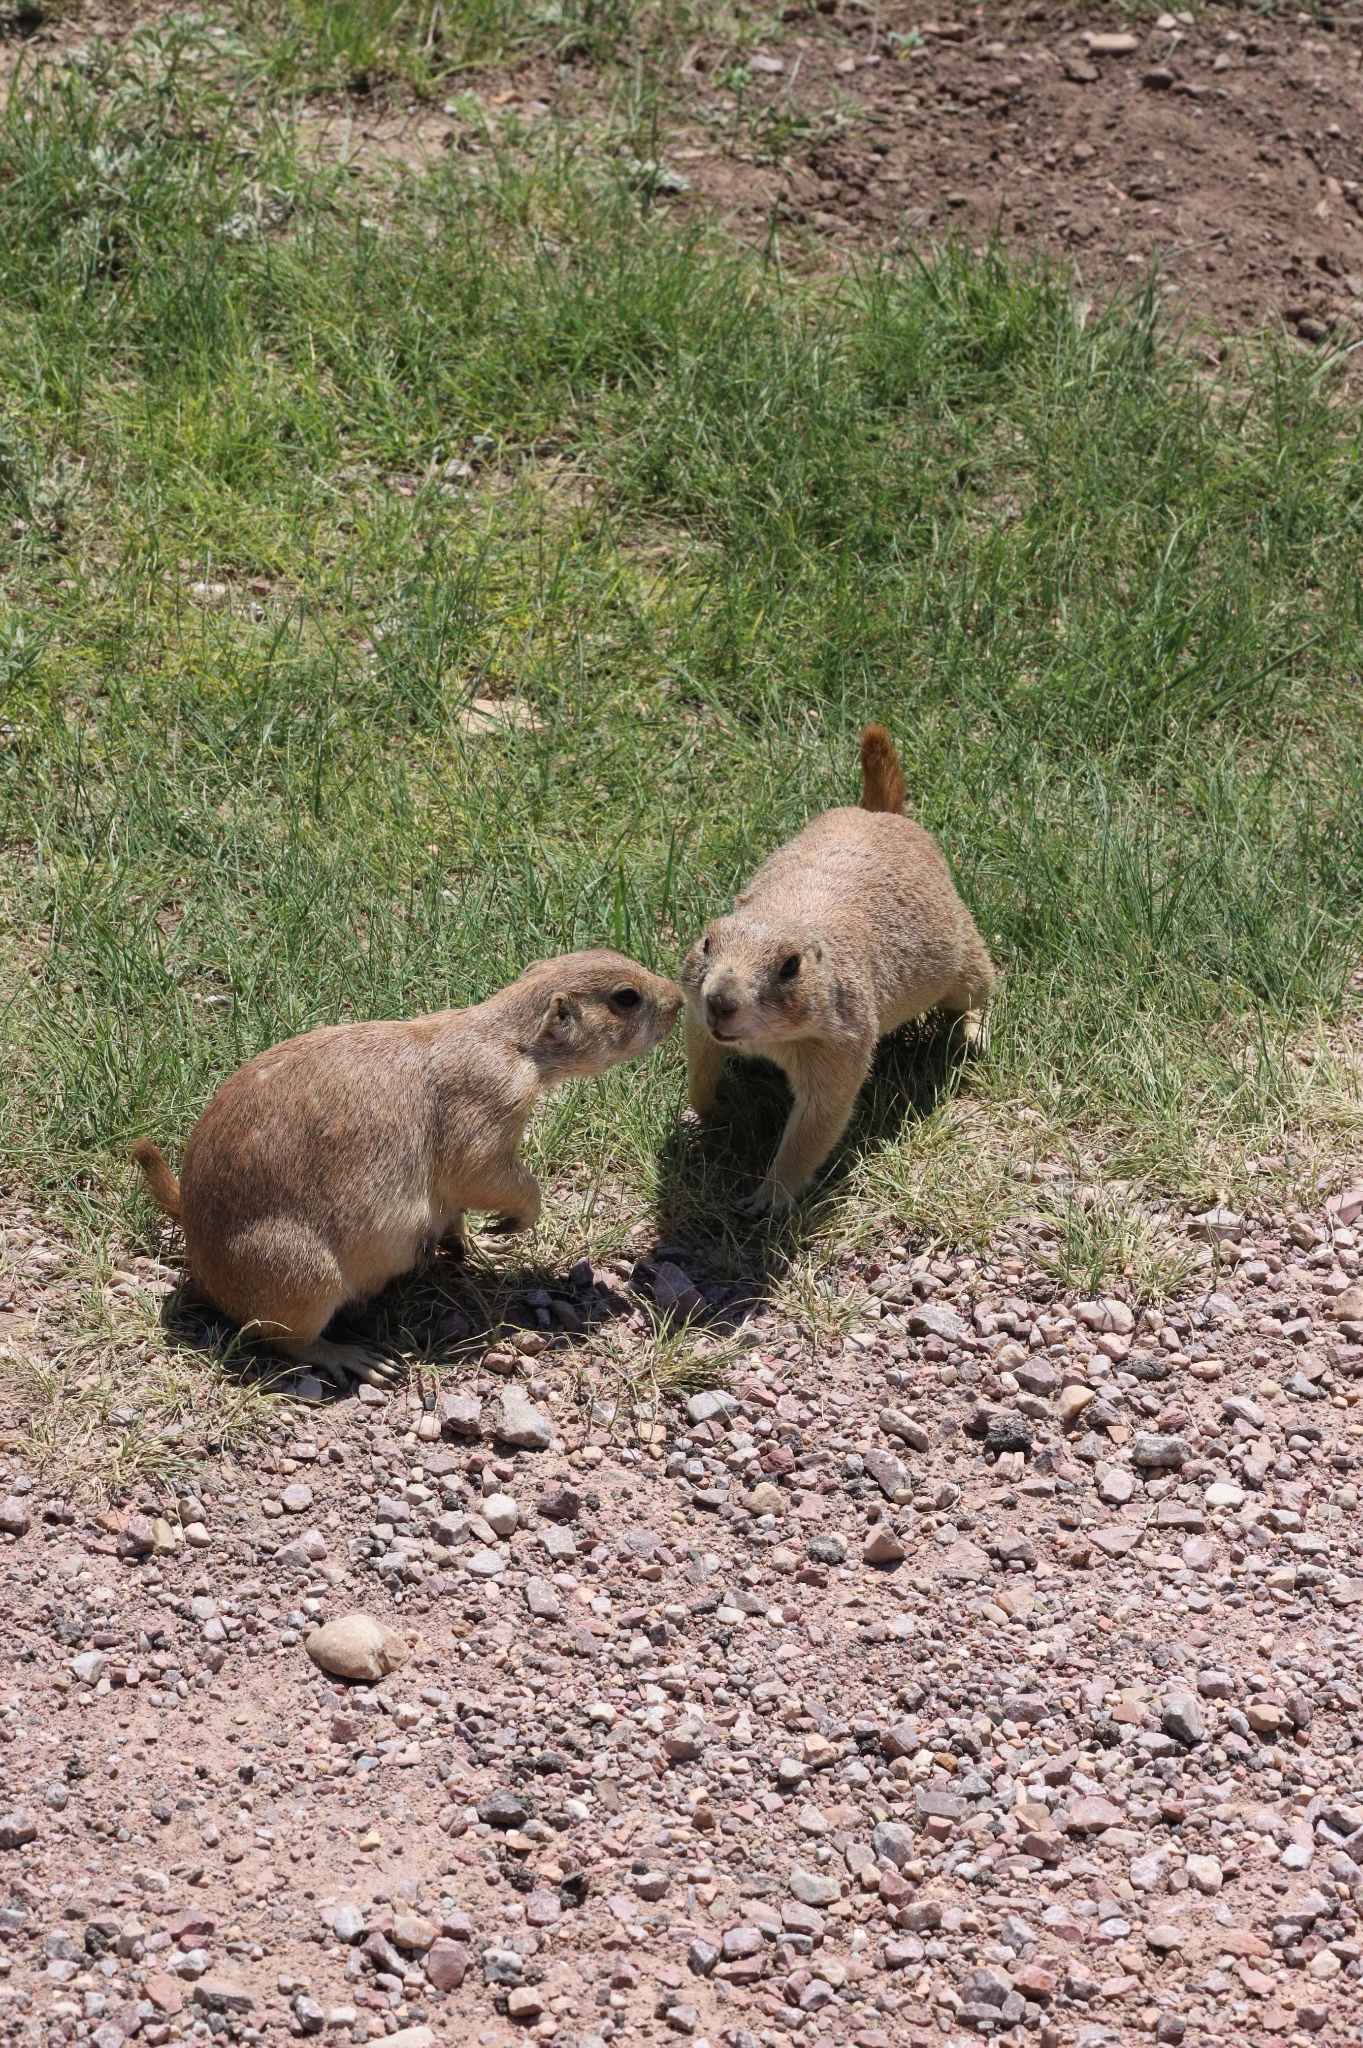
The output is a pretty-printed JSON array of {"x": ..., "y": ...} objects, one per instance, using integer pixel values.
[{"x": 991, "y": 1669}]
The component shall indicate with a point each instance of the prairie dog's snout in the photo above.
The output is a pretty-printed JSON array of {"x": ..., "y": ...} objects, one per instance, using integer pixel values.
[
  {"x": 844, "y": 933},
  {"x": 334, "y": 1162},
  {"x": 752, "y": 981}
]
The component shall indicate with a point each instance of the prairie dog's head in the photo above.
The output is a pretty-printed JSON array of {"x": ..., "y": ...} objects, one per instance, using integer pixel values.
[
  {"x": 595, "y": 1009},
  {"x": 747, "y": 980}
]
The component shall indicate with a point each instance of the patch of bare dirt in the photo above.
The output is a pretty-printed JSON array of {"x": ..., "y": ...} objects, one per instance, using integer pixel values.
[{"x": 1229, "y": 150}]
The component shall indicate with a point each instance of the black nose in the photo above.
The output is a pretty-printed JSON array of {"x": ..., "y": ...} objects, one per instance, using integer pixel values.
[{"x": 720, "y": 1006}]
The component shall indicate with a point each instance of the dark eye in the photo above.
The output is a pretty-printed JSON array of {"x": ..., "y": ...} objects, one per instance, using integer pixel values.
[
  {"x": 625, "y": 998},
  {"x": 705, "y": 945},
  {"x": 790, "y": 968}
]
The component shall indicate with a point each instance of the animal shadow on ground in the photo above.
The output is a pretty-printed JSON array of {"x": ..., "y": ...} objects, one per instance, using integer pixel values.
[
  {"x": 705, "y": 1170},
  {"x": 452, "y": 1314}
]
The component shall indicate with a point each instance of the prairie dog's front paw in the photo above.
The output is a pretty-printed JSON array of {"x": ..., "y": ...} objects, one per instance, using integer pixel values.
[{"x": 768, "y": 1200}]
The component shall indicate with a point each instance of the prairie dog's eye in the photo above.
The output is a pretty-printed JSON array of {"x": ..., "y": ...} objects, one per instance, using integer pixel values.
[
  {"x": 705, "y": 944},
  {"x": 790, "y": 968},
  {"x": 626, "y": 998}
]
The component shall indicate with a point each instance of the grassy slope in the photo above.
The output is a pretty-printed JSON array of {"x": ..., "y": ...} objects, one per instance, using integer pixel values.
[{"x": 718, "y": 517}]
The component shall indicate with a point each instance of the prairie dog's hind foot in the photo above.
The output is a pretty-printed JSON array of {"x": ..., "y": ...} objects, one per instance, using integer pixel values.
[{"x": 348, "y": 1365}]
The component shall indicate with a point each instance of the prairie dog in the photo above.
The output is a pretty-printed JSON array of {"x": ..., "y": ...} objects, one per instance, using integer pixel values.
[
  {"x": 846, "y": 932},
  {"x": 334, "y": 1162}
]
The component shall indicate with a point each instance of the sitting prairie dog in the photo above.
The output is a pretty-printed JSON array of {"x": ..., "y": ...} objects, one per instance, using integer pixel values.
[
  {"x": 334, "y": 1162},
  {"x": 846, "y": 932}
]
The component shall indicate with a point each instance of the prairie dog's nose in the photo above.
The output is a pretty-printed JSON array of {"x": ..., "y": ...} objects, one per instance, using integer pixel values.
[{"x": 720, "y": 1006}]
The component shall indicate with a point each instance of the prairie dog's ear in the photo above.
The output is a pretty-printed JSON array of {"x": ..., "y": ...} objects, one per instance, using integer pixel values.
[{"x": 562, "y": 1016}]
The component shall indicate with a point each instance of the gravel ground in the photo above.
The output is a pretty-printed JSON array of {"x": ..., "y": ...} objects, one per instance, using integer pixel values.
[{"x": 990, "y": 1669}]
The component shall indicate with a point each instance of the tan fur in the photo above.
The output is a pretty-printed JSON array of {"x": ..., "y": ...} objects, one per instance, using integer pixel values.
[
  {"x": 336, "y": 1161},
  {"x": 861, "y": 912},
  {"x": 165, "y": 1189},
  {"x": 882, "y": 778}
]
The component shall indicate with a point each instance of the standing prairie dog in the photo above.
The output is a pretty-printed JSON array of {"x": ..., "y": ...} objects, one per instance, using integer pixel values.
[
  {"x": 336, "y": 1161},
  {"x": 847, "y": 931}
]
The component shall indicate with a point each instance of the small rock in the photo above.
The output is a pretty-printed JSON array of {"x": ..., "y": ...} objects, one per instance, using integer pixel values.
[
  {"x": 1072, "y": 1403},
  {"x": 1163, "y": 1452},
  {"x": 1114, "y": 43},
  {"x": 413, "y": 1932},
  {"x": 501, "y": 1514},
  {"x": 882, "y": 1546},
  {"x": 675, "y": 1292},
  {"x": 297, "y": 1498},
  {"x": 711, "y": 1404},
  {"x": 560, "y": 1503},
  {"x": 811, "y": 1888},
  {"x": 348, "y": 1925},
  {"x": 504, "y": 1809},
  {"x": 1204, "y": 1872},
  {"x": 88, "y": 1668},
  {"x": 935, "y": 1319},
  {"x": 1117, "y": 1486},
  {"x": 684, "y": 1743},
  {"x": 520, "y": 1423},
  {"x": 15, "y": 1516},
  {"x": 222, "y": 1994},
  {"x": 1091, "y": 1814},
  {"x": 1182, "y": 1717},
  {"x": 357, "y": 1647},
  {"x": 303, "y": 1552},
  {"x": 826, "y": 1549},
  {"x": 461, "y": 1415},
  {"x": 17, "y": 1827},
  {"x": 893, "y": 1841},
  {"x": 766, "y": 1499},
  {"x": 311, "y": 2017},
  {"x": 542, "y": 1600},
  {"x": 894, "y": 1423},
  {"x": 486, "y": 1564},
  {"x": 1108, "y": 1315}
]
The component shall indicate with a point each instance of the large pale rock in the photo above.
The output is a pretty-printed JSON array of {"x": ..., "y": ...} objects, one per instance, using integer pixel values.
[
  {"x": 520, "y": 1423},
  {"x": 1107, "y": 1315},
  {"x": 357, "y": 1647},
  {"x": 15, "y": 1516},
  {"x": 1182, "y": 1717},
  {"x": 1091, "y": 1814},
  {"x": 1073, "y": 1401},
  {"x": 935, "y": 1319},
  {"x": 882, "y": 1545},
  {"x": 894, "y": 1842},
  {"x": 501, "y": 1514}
]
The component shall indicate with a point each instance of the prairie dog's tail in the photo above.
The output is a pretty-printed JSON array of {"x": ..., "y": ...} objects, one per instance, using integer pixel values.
[
  {"x": 165, "y": 1189},
  {"x": 882, "y": 778}
]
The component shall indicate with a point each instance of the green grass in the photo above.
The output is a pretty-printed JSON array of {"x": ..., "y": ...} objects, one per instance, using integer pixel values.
[{"x": 719, "y": 515}]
